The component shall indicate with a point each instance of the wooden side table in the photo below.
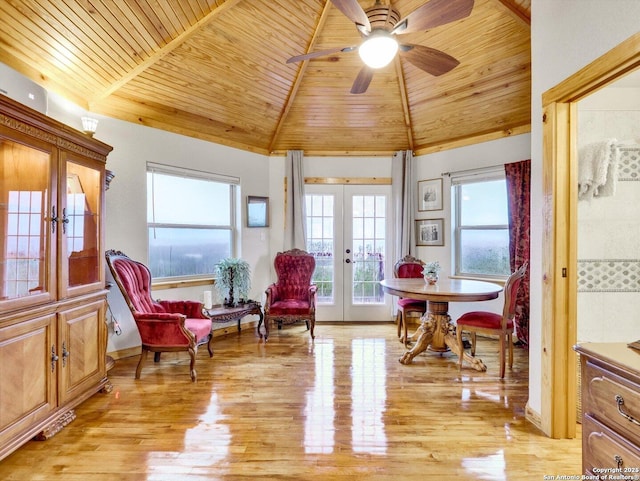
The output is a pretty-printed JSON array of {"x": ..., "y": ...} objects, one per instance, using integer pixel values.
[{"x": 221, "y": 313}]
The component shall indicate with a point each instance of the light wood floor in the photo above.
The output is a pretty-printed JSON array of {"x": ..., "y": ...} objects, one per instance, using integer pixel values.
[{"x": 339, "y": 408}]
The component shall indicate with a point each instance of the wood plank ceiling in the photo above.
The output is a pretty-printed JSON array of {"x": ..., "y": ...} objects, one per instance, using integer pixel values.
[{"x": 216, "y": 70}]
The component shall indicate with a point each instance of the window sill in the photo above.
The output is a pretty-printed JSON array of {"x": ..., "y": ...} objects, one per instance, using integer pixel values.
[
  {"x": 163, "y": 285},
  {"x": 500, "y": 282}
]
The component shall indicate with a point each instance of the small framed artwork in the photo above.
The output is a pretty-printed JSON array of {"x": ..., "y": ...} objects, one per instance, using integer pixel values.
[
  {"x": 257, "y": 211},
  {"x": 430, "y": 232},
  {"x": 430, "y": 195}
]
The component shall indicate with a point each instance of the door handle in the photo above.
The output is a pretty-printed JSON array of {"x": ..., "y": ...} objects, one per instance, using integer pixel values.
[
  {"x": 348, "y": 261},
  {"x": 348, "y": 251}
]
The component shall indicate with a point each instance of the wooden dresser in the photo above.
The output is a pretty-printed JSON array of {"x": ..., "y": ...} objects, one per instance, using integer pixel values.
[
  {"x": 52, "y": 280},
  {"x": 610, "y": 409}
]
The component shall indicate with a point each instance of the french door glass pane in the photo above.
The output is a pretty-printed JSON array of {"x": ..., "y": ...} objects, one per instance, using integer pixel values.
[
  {"x": 369, "y": 221},
  {"x": 320, "y": 243}
]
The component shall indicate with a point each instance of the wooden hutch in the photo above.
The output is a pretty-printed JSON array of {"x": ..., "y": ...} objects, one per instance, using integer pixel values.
[{"x": 52, "y": 284}]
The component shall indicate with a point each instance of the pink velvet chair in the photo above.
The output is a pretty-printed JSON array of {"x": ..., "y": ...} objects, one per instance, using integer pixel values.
[
  {"x": 293, "y": 297},
  {"x": 408, "y": 267},
  {"x": 164, "y": 326},
  {"x": 491, "y": 323}
]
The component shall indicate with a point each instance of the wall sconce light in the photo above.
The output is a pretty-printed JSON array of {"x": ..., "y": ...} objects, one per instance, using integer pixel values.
[{"x": 89, "y": 125}]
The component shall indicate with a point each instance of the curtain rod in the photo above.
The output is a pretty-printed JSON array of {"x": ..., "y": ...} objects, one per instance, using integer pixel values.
[{"x": 472, "y": 171}]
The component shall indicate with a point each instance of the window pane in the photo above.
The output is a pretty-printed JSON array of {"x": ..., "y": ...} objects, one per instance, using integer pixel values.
[
  {"x": 320, "y": 243},
  {"x": 184, "y": 252},
  {"x": 484, "y": 203},
  {"x": 173, "y": 199},
  {"x": 484, "y": 252}
]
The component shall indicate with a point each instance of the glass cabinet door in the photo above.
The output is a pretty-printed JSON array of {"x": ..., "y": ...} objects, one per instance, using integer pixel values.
[
  {"x": 25, "y": 231},
  {"x": 81, "y": 236}
]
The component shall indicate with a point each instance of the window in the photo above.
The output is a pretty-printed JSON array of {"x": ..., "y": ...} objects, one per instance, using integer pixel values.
[
  {"x": 190, "y": 219},
  {"x": 481, "y": 224}
]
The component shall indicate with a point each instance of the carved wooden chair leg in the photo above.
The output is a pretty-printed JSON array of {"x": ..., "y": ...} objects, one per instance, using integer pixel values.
[
  {"x": 143, "y": 357},
  {"x": 503, "y": 347},
  {"x": 460, "y": 347},
  {"x": 510, "y": 344},
  {"x": 210, "y": 345},
  {"x": 473, "y": 344},
  {"x": 192, "y": 365}
]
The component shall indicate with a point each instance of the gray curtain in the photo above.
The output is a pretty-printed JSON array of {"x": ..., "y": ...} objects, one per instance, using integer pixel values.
[
  {"x": 294, "y": 228},
  {"x": 403, "y": 198}
]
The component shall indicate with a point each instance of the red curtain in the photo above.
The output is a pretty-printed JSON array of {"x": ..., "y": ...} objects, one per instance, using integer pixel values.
[{"x": 518, "y": 175}]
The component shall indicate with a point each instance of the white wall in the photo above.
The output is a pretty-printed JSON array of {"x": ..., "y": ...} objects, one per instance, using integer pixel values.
[{"x": 566, "y": 35}]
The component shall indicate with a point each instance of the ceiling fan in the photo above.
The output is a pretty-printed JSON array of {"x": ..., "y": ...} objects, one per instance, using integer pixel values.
[{"x": 380, "y": 24}]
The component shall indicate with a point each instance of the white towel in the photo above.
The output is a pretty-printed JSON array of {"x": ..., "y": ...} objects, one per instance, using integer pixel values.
[{"x": 597, "y": 169}]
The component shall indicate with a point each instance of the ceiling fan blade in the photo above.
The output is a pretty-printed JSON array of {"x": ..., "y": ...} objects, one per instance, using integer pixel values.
[
  {"x": 428, "y": 59},
  {"x": 433, "y": 14},
  {"x": 320, "y": 53},
  {"x": 354, "y": 12},
  {"x": 362, "y": 81}
]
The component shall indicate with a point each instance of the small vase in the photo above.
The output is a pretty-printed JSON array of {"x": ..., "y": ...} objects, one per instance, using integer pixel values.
[{"x": 431, "y": 278}]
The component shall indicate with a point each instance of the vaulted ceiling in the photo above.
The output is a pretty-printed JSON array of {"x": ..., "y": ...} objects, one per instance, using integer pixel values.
[{"x": 216, "y": 70}]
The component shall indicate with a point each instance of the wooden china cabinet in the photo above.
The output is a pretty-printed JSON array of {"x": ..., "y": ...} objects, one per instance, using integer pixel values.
[{"x": 52, "y": 286}]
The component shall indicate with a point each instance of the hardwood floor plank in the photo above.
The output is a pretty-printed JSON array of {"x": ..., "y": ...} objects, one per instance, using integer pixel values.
[{"x": 338, "y": 408}]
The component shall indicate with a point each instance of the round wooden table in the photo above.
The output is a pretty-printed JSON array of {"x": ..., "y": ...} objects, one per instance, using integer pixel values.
[{"x": 436, "y": 330}]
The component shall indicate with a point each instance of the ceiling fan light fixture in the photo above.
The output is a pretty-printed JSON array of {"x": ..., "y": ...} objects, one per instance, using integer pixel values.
[{"x": 378, "y": 50}]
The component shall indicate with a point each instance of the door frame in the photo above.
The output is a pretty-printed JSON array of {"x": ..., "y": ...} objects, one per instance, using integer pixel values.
[
  {"x": 559, "y": 243},
  {"x": 363, "y": 181}
]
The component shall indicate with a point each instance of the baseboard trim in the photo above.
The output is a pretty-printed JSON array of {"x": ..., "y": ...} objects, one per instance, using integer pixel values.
[{"x": 533, "y": 417}]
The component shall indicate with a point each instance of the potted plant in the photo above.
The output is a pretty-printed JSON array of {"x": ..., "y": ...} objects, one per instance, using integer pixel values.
[
  {"x": 233, "y": 278},
  {"x": 430, "y": 271}
]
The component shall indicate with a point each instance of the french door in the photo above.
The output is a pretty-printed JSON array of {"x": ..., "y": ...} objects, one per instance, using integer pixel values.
[{"x": 348, "y": 232}]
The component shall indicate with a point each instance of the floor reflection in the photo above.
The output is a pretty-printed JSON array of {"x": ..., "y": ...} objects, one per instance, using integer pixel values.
[
  {"x": 488, "y": 468},
  {"x": 367, "y": 399},
  {"x": 205, "y": 445},
  {"x": 319, "y": 428},
  {"x": 368, "y": 396}
]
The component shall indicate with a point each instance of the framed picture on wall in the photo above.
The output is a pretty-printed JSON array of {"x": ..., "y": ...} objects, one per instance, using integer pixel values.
[
  {"x": 429, "y": 195},
  {"x": 257, "y": 211},
  {"x": 430, "y": 232}
]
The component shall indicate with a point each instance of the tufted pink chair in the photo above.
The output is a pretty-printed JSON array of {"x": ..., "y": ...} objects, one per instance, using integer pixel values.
[
  {"x": 408, "y": 267},
  {"x": 492, "y": 323},
  {"x": 292, "y": 297},
  {"x": 164, "y": 326}
]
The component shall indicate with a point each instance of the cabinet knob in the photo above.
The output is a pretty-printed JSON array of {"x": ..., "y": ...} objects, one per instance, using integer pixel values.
[
  {"x": 618, "y": 459},
  {"x": 54, "y": 219},
  {"x": 65, "y": 354},
  {"x": 65, "y": 220},
  {"x": 54, "y": 358}
]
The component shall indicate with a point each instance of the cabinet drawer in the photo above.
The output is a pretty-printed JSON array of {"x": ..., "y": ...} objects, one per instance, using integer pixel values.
[
  {"x": 604, "y": 449},
  {"x": 612, "y": 400}
]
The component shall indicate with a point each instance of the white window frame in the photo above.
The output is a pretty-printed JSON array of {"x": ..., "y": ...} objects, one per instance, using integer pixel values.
[
  {"x": 468, "y": 177},
  {"x": 233, "y": 182}
]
